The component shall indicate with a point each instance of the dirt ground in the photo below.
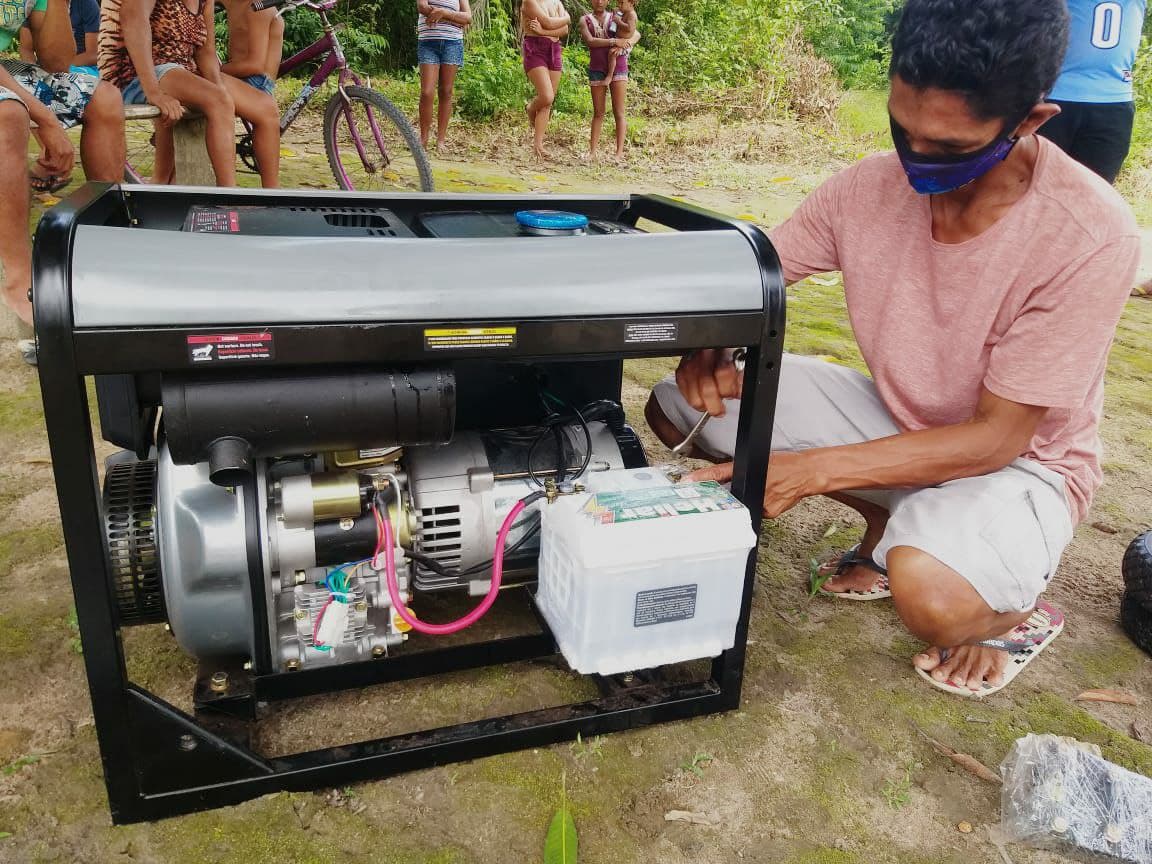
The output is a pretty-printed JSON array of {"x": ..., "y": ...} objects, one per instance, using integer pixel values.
[{"x": 826, "y": 762}]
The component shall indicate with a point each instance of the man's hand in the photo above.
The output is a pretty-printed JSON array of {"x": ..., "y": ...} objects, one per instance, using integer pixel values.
[
  {"x": 789, "y": 480},
  {"x": 706, "y": 378},
  {"x": 59, "y": 155},
  {"x": 170, "y": 108}
]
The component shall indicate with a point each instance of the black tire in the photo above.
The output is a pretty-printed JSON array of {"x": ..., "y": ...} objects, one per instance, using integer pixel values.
[
  {"x": 1136, "y": 607},
  {"x": 413, "y": 161}
]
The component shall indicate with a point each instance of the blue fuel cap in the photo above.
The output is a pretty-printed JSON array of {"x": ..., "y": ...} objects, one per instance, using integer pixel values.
[{"x": 551, "y": 220}]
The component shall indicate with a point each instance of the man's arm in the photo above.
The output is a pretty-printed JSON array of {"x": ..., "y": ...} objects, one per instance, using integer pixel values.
[
  {"x": 88, "y": 58},
  {"x": 253, "y": 59},
  {"x": 533, "y": 9},
  {"x": 27, "y": 52},
  {"x": 52, "y": 38},
  {"x": 59, "y": 154}
]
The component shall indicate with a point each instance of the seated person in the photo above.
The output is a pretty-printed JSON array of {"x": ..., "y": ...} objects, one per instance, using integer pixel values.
[
  {"x": 54, "y": 99},
  {"x": 163, "y": 53},
  {"x": 255, "y": 44},
  {"x": 85, "y": 16},
  {"x": 984, "y": 274}
]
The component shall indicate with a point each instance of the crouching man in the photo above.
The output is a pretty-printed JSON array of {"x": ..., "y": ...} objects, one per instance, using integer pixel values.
[{"x": 984, "y": 275}]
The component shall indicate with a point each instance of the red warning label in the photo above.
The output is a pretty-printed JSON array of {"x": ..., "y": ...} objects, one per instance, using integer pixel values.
[{"x": 222, "y": 347}]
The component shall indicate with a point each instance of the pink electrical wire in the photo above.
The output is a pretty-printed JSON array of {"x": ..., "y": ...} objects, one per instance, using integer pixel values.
[{"x": 473, "y": 616}]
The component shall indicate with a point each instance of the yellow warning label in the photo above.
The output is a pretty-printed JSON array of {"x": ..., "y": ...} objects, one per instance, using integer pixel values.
[{"x": 470, "y": 337}]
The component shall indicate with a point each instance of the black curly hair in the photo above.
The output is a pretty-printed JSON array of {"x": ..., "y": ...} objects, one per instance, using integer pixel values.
[{"x": 1003, "y": 55}]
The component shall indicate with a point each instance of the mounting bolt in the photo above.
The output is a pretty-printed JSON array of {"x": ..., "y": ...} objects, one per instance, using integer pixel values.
[
  {"x": 301, "y": 614},
  {"x": 187, "y": 743},
  {"x": 301, "y": 576},
  {"x": 378, "y": 651},
  {"x": 292, "y": 665},
  {"x": 218, "y": 683},
  {"x": 361, "y": 606},
  {"x": 347, "y": 523}
]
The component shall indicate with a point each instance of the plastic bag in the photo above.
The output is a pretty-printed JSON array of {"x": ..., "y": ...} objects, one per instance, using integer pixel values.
[{"x": 1058, "y": 794}]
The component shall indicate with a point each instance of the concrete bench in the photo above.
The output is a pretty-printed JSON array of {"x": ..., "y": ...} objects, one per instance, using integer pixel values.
[{"x": 192, "y": 165}]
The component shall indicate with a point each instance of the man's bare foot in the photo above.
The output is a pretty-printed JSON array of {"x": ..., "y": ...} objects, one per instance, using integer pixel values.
[
  {"x": 966, "y": 666},
  {"x": 858, "y": 578}
]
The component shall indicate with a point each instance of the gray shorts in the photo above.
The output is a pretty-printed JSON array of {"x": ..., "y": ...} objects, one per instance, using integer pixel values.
[{"x": 1003, "y": 532}]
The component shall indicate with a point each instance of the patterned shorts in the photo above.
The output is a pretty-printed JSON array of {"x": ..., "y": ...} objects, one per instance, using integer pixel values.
[{"x": 66, "y": 93}]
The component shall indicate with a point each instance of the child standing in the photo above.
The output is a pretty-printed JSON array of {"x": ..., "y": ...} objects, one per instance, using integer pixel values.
[
  {"x": 606, "y": 75},
  {"x": 440, "y": 50}
]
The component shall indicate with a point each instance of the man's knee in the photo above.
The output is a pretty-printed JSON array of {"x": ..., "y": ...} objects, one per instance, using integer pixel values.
[
  {"x": 659, "y": 423},
  {"x": 106, "y": 107},
  {"x": 935, "y": 602}
]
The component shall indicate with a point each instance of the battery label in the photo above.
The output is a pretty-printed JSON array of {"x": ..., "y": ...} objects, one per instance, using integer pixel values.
[
  {"x": 634, "y": 505},
  {"x": 650, "y": 332},
  {"x": 664, "y": 604},
  {"x": 470, "y": 337},
  {"x": 225, "y": 347}
]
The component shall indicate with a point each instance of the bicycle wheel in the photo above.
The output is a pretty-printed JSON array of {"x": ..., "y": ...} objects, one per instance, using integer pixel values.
[
  {"x": 141, "y": 151},
  {"x": 371, "y": 145}
]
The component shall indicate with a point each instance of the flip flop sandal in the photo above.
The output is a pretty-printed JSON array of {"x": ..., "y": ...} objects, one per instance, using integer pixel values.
[
  {"x": 1023, "y": 645},
  {"x": 853, "y": 558},
  {"x": 47, "y": 185}
]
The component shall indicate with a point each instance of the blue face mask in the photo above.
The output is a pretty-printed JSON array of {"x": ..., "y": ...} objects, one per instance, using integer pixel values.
[{"x": 934, "y": 175}]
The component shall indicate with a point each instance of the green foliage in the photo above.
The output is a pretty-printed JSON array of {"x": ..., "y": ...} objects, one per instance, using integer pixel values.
[
  {"x": 852, "y": 35},
  {"x": 560, "y": 844}
]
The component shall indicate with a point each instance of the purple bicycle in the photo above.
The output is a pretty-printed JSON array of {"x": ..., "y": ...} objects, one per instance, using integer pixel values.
[{"x": 371, "y": 146}]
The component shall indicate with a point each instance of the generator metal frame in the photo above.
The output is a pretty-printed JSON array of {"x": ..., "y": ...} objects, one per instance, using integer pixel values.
[{"x": 159, "y": 761}]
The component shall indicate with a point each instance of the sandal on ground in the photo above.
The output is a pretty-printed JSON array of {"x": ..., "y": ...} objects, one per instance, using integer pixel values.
[
  {"x": 1023, "y": 645},
  {"x": 48, "y": 185},
  {"x": 853, "y": 558}
]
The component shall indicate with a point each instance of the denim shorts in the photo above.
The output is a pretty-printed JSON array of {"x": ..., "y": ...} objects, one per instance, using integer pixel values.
[
  {"x": 133, "y": 93},
  {"x": 263, "y": 83},
  {"x": 440, "y": 52}
]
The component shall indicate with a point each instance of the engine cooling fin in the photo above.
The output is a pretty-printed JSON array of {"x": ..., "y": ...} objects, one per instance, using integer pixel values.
[{"x": 130, "y": 534}]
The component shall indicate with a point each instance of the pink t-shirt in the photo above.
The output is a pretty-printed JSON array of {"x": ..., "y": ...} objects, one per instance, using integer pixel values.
[{"x": 1026, "y": 309}]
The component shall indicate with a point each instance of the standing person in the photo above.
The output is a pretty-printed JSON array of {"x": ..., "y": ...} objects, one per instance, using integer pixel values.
[
  {"x": 597, "y": 33},
  {"x": 440, "y": 50},
  {"x": 54, "y": 99},
  {"x": 255, "y": 45},
  {"x": 984, "y": 275},
  {"x": 85, "y": 17},
  {"x": 544, "y": 23},
  {"x": 1094, "y": 90},
  {"x": 163, "y": 53}
]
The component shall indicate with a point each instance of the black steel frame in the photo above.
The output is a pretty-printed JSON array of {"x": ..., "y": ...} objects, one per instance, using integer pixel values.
[{"x": 158, "y": 761}]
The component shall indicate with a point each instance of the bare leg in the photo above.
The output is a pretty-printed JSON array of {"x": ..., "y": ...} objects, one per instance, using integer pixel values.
[
  {"x": 164, "y": 165},
  {"x": 259, "y": 109},
  {"x": 15, "y": 241},
  {"x": 102, "y": 138},
  {"x": 540, "y": 108},
  {"x": 216, "y": 106},
  {"x": 619, "y": 108},
  {"x": 429, "y": 75},
  {"x": 939, "y": 606},
  {"x": 444, "y": 102},
  {"x": 599, "y": 98}
]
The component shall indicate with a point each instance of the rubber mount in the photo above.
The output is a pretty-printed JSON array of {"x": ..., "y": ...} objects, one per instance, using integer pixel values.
[
  {"x": 1136, "y": 607},
  {"x": 551, "y": 220}
]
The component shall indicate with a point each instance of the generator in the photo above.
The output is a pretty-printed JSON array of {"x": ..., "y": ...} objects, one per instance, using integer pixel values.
[{"x": 335, "y": 416}]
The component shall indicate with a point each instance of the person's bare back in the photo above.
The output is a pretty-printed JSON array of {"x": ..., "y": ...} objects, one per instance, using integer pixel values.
[{"x": 255, "y": 40}]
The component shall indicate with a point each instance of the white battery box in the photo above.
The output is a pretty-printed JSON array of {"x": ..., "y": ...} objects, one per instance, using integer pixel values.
[{"x": 643, "y": 573}]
